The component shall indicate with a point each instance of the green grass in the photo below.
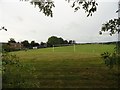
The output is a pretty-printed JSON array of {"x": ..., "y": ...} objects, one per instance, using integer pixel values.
[{"x": 63, "y": 68}]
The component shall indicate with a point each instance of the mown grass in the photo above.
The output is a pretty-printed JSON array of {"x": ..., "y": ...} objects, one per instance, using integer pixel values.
[{"x": 63, "y": 68}]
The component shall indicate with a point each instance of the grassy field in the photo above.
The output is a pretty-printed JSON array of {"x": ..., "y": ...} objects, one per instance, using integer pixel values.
[{"x": 63, "y": 68}]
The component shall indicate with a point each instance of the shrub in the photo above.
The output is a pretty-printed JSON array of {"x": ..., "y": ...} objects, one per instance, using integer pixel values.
[{"x": 111, "y": 59}]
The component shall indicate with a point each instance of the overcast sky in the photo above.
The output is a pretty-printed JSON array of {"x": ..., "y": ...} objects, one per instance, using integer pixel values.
[{"x": 25, "y": 22}]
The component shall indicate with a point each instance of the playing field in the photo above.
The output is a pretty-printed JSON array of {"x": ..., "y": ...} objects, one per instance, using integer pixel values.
[{"x": 77, "y": 66}]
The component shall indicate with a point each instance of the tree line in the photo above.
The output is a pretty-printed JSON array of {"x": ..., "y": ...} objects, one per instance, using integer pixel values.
[{"x": 13, "y": 45}]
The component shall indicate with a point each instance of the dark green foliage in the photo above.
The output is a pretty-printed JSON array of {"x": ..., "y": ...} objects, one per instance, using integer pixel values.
[
  {"x": 71, "y": 42},
  {"x": 34, "y": 44},
  {"x": 65, "y": 42},
  {"x": 110, "y": 59},
  {"x": 25, "y": 43},
  {"x": 112, "y": 26},
  {"x": 42, "y": 43},
  {"x": 45, "y": 6},
  {"x": 12, "y": 40},
  {"x": 3, "y": 28},
  {"x": 9, "y": 60},
  {"x": 90, "y": 6},
  {"x": 53, "y": 40}
]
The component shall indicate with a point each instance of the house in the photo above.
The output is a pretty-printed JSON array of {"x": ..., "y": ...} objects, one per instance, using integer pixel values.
[{"x": 16, "y": 46}]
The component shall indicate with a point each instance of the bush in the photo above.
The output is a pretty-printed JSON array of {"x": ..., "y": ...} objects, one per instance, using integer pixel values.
[
  {"x": 9, "y": 59},
  {"x": 111, "y": 59}
]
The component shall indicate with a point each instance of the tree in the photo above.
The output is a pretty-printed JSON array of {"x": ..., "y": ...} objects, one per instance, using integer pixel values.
[
  {"x": 37, "y": 44},
  {"x": 34, "y": 44},
  {"x": 112, "y": 26},
  {"x": 90, "y": 6},
  {"x": 12, "y": 40},
  {"x": 43, "y": 45},
  {"x": 53, "y": 40},
  {"x": 65, "y": 42},
  {"x": 60, "y": 41},
  {"x": 71, "y": 42},
  {"x": 25, "y": 43},
  {"x": 45, "y": 6}
]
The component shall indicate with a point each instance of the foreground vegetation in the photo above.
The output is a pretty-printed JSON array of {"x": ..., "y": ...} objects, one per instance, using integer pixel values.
[{"x": 62, "y": 68}]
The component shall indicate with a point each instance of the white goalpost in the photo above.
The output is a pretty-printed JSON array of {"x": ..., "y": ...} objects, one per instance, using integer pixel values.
[
  {"x": 53, "y": 49},
  {"x": 74, "y": 47}
]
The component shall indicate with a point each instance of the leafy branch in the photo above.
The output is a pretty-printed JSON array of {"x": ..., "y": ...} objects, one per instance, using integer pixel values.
[
  {"x": 3, "y": 28},
  {"x": 45, "y": 6},
  {"x": 112, "y": 26},
  {"x": 90, "y": 6}
]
